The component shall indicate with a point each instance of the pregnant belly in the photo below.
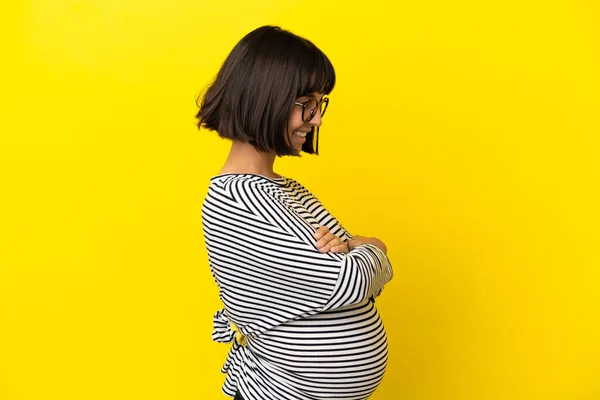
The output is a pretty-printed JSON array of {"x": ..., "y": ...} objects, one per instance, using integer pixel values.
[{"x": 342, "y": 351}]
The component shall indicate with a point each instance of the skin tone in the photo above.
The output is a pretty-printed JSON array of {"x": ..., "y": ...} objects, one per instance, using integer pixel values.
[
  {"x": 244, "y": 158},
  {"x": 327, "y": 241}
]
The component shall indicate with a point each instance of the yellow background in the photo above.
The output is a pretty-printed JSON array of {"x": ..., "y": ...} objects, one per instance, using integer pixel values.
[{"x": 463, "y": 133}]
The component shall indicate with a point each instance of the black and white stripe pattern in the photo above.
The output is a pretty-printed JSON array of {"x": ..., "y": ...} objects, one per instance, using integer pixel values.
[{"x": 311, "y": 331}]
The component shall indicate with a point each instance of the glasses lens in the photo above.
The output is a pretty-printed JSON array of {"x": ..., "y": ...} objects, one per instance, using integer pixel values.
[
  {"x": 310, "y": 109},
  {"x": 324, "y": 104}
]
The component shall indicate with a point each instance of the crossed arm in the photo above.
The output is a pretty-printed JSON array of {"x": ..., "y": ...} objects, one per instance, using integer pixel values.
[{"x": 327, "y": 241}]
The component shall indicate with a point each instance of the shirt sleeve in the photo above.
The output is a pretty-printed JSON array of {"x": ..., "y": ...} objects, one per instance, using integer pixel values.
[
  {"x": 323, "y": 216},
  {"x": 268, "y": 268}
]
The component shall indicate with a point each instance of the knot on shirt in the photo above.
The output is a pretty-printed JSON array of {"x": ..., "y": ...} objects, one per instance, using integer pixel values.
[
  {"x": 239, "y": 337},
  {"x": 225, "y": 331}
]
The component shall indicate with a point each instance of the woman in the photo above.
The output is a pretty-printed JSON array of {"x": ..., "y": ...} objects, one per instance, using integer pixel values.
[{"x": 297, "y": 287}]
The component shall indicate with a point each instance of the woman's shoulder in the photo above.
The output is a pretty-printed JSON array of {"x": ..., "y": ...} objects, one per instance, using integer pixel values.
[
  {"x": 236, "y": 185},
  {"x": 249, "y": 178}
]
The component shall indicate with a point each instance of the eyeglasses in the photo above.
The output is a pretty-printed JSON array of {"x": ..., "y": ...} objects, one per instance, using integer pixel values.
[{"x": 310, "y": 107}]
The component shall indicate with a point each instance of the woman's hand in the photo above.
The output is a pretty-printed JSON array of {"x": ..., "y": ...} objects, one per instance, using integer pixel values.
[
  {"x": 327, "y": 241},
  {"x": 358, "y": 240}
]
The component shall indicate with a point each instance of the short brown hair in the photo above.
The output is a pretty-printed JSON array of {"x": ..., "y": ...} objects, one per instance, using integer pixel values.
[{"x": 253, "y": 94}]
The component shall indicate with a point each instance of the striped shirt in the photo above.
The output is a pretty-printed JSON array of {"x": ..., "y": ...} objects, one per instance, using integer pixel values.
[{"x": 305, "y": 321}]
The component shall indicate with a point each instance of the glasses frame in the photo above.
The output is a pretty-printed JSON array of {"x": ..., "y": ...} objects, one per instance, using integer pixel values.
[{"x": 313, "y": 112}]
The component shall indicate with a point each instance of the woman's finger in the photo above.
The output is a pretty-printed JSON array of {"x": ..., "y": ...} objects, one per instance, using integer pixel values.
[
  {"x": 322, "y": 231},
  {"x": 326, "y": 239},
  {"x": 340, "y": 248},
  {"x": 335, "y": 242}
]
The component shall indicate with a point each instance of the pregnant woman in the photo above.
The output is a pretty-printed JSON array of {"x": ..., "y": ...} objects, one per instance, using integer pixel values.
[{"x": 298, "y": 289}]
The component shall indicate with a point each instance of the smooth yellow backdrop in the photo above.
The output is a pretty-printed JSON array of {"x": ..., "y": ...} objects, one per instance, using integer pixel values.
[{"x": 464, "y": 134}]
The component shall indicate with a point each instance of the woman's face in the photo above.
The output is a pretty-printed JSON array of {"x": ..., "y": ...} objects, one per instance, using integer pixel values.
[{"x": 297, "y": 129}]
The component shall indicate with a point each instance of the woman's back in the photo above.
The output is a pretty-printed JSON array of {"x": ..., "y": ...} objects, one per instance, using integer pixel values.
[{"x": 311, "y": 330}]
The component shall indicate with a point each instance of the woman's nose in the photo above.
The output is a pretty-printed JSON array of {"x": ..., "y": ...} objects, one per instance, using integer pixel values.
[{"x": 316, "y": 120}]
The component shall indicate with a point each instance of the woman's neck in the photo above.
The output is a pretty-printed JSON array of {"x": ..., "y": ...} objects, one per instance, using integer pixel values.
[{"x": 244, "y": 158}]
